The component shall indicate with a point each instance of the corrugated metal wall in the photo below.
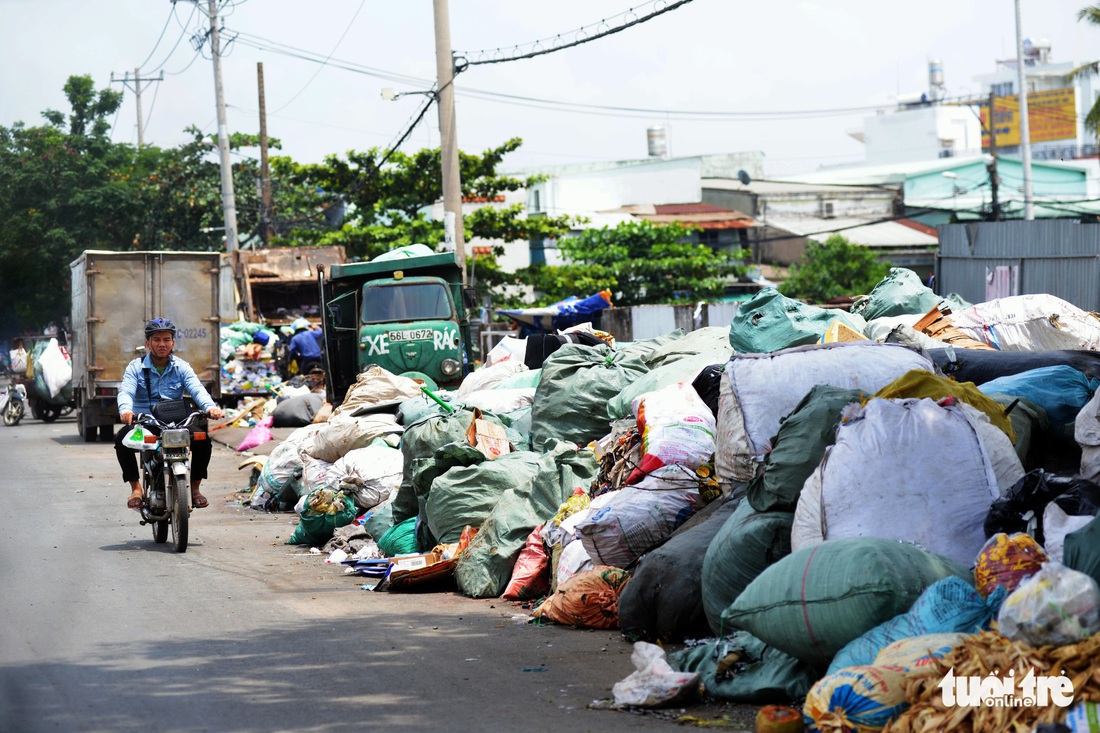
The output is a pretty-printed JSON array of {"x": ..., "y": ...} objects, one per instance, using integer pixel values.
[
  {"x": 985, "y": 260},
  {"x": 651, "y": 321}
]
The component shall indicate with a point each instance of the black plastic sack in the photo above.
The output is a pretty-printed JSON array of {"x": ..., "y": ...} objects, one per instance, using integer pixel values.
[
  {"x": 664, "y": 599},
  {"x": 983, "y": 365},
  {"x": 296, "y": 412},
  {"x": 708, "y": 384},
  {"x": 1021, "y": 508}
]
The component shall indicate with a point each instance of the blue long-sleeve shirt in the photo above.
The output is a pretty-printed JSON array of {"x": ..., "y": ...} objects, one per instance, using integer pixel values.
[
  {"x": 304, "y": 345},
  {"x": 178, "y": 377}
]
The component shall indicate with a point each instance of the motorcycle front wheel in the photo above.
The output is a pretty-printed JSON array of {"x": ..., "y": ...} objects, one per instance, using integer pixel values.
[
  {"x": 180, "y": 512},
  {"x": 13, "y": 414},
  {"x": 160, "y": 528}
]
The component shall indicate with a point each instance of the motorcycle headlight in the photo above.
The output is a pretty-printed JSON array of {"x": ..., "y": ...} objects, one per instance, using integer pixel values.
[
  {"x": 175, "y": 438},
  {"x": 449, "y": 367}
]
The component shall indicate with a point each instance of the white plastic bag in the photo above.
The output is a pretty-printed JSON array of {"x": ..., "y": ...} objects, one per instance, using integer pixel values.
[
  {"x": 653, "y": 682},
  {"x": 56, "y": 369},
  {"x": 1056, "y": 606},
  {"x": 135, "y": 439},
  {"x": 678, "y": 432},
  {"x": 370, "y": 475}
]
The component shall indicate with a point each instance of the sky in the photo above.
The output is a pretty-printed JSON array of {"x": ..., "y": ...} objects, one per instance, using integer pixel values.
[{"x": 790, "y": 78}]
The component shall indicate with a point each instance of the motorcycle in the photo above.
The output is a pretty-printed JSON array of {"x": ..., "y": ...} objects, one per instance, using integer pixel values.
[
  {"x": 165, "y": 474},
  {"x": 14, "y": 404}
]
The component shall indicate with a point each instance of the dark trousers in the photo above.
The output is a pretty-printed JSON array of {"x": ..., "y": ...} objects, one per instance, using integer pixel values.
[{"x": 127, "y": 457}]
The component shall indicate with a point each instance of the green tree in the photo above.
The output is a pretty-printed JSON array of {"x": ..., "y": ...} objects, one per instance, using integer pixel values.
[
  {"x": 64, "y": 187},
  {"x": 640, "y": 262},
  {"x": 833, "y": 269},
  {"x": 1091, "y": 14},
  {"x": 182, "y": 197},
  {"x": 387, "y": 200}
]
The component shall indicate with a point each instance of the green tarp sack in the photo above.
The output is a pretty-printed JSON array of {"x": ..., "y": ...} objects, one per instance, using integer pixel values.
[
  {"x": 485, "y": 568},
  {"x": 316, "y": 528},
  {"x": 576, "y": 384},
  {"x": 817, "y": 599},
  {"x": 900, "y": 293},
  {"x": 762, "y": 675},
  {"x": 419, "y": 442},
  {"x": 400, "y": 539},
  {"x": 1082, "y": 550},
  {"x": 745, "y": 546},
  {"x": 770, "y": 322},
  {"x": 706, "y": 340},
  {"x": 798, "y": 447},
  {"x": 465, "y": 495}
]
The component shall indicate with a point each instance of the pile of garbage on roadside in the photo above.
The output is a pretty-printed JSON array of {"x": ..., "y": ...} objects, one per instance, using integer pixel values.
[
  {"x": 886, "y": 517},
  {"x": 248, "y": 359}
]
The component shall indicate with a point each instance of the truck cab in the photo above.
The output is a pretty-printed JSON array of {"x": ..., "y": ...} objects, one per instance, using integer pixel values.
[{"x": 405, "y": 311}]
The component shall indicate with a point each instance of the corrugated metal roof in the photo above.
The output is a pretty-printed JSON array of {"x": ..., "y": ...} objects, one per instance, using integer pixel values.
[
  {"x": 787, "y": 187},
  {"x": 859, "y": 231}
]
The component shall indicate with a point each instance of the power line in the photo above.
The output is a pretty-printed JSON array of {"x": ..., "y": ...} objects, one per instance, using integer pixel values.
[
  {"x": 160, "y": 38},
  {"x": 152, "y": 105},
  {"x": 322, "y": 66},
  {"x": 580, "y": 36},
  {"x": 183, "y": 33}
]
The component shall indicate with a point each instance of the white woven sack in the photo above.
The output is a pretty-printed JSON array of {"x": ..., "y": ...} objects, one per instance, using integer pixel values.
[
  {"x": 1029, "y": 323},
  {"x": 1086, "y": 431},
  {"x": 759, "y": 390},
  {"x": 910, "y": 470},
  {"x": 500, "y": 401},
  {"x": 488, "y": 377}
]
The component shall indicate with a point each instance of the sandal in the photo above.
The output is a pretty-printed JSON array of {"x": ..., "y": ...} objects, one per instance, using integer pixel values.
[
  {"x": 135, "y": 502},
  {"x": 199, "y": 501}
]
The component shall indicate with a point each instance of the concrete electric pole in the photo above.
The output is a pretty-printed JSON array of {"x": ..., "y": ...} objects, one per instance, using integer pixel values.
[
  {"x": 1025, "y": 132},
  {"x": 448, "y": 147},
  {"x": 229, "y": 203},
  {"x": 137, "y": 80},
  {"x": 267, "y": 228}
]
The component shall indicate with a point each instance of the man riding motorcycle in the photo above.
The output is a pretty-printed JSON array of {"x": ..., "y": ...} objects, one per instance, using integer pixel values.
[{"x": 148, "y": 380}]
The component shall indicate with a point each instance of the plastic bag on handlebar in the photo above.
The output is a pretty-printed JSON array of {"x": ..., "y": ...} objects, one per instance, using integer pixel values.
[
  {"x": 171, "y": 411},
  {"x": 135, "y": 439}
]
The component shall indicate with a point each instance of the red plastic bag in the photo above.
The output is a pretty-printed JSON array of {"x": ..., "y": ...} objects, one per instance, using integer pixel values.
[{"x": 531, "y": 574}]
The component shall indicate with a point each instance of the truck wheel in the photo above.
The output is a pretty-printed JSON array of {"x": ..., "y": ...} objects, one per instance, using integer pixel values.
[{"x": 88, "y": 432}]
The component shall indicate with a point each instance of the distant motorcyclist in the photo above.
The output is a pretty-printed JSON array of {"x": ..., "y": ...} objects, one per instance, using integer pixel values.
[{"x": 148, "y": 380}]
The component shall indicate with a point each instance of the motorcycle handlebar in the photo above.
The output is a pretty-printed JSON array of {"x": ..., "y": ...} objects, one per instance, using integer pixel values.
[{"x": 146, "y": 419}]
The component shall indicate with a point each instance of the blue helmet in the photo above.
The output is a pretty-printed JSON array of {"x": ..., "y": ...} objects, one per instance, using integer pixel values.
[{"x": 159, "y": 324}]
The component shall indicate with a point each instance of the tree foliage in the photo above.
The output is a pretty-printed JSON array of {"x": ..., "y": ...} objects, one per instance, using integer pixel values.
[
  {"x": 833, "y": 269},
  {"x": 1090, "y": 14},
  {"x": 64, "y": 187},
  {"x": 387, "y": 202},
  {"x": 640, "y": 262}
]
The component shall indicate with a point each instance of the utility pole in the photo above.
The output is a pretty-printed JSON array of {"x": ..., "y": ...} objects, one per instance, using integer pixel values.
[
  {"x": 1025, "y": 132},
  {"x": 267, "y": 228},
  {"x": 448, "y": 147},
  {"x": 229, "y": 204},
  {"x": 137, "y": 96},
  {"x": 994, "y": 179}
]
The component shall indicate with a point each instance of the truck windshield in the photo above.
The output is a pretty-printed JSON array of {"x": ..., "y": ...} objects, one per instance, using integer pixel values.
[{"x": 405, "y": 302}]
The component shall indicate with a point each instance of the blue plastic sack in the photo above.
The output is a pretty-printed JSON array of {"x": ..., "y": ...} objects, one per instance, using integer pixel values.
[
  {"x": 948, "y": 605},
  {"x": 1060, "y": 390}
]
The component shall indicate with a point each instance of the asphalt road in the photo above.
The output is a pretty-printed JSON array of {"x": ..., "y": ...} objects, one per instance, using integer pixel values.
[{"x": 105, "y": 631}]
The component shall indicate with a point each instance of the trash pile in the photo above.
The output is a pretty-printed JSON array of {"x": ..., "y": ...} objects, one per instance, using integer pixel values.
[
  {"x": 248, "y": 359},
  {"x": 855, "y": 509}
]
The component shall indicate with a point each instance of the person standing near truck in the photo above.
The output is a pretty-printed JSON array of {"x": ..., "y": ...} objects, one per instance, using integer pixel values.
[
  {"x": 305, "y": 348},
  {"x": 148, "y": 380}
]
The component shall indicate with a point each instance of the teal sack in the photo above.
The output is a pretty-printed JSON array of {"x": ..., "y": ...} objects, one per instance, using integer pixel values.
[
  {"x": 762, "y": 675},
  {"x": 770, "y": 322},
  {"x": 900, "y": 293},
  {"x": 400, "y": 539}
]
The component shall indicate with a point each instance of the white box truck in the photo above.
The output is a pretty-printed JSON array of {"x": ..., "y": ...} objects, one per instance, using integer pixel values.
[{"x": 113, "y": 295}]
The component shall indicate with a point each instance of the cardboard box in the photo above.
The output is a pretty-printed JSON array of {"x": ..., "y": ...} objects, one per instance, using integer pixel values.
[
  {"x": 402, "y": 563},
  {"x": 487, "y": 437}
]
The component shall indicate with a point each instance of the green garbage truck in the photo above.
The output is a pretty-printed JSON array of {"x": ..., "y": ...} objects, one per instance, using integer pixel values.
[{"x": 406, "y": 311}]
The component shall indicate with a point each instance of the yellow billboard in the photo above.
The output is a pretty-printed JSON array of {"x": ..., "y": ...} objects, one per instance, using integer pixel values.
[{"x": 1051, "y": 115}]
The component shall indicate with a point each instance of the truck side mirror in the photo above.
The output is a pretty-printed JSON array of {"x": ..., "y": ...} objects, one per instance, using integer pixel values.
[{"x": 470, "y": 298}]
